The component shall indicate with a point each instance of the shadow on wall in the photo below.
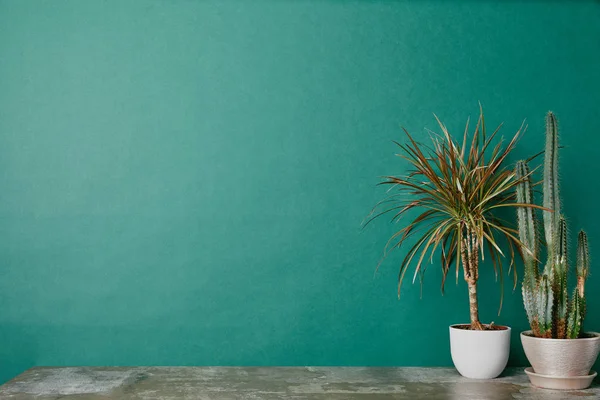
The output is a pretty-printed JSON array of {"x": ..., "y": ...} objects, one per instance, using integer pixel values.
[{"x": 18, "y": 351}]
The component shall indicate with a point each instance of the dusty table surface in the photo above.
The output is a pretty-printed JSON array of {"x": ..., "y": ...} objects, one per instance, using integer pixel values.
[{"x": 268, "y": 383}]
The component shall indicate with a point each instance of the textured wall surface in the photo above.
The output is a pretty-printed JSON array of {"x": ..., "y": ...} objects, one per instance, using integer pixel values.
[{"x": 183, "y": 182}]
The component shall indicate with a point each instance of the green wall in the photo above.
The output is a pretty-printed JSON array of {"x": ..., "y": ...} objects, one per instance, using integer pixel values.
[{"x": 183, "y": 182}]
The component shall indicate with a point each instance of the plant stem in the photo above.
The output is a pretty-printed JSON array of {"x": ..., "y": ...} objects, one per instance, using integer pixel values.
[
  {"x": 474, "y": 307},
  {"x": 470, "y": 263}
]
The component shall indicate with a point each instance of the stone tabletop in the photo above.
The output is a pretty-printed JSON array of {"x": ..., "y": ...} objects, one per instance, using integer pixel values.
[{"x": 269, "y": 383}]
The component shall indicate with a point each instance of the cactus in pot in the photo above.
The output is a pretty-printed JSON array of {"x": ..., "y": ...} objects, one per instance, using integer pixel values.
[
  {"x": 551, "y": 312},
  {"x": 545, "y": 295}
]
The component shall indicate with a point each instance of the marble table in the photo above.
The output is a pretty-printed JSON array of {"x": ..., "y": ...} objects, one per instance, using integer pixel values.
[{"x": 269, "y": 383}]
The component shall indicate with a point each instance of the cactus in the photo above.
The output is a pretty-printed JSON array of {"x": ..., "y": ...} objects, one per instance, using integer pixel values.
[{"x": 550, "y": 312}]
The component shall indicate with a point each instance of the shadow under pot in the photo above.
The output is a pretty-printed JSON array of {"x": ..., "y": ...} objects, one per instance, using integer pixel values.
[{"x": 561, "y": 363}]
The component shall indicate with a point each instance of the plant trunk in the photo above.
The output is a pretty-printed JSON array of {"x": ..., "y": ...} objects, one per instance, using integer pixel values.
[
  {"x": 470, "y": 262},
  {"x": 474, "y": 306}
]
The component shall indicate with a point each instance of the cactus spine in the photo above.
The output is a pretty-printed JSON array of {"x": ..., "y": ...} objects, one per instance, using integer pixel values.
[{"x": 550, "y": 312}]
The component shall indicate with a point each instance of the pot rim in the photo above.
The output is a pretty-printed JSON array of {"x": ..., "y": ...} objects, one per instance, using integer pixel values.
[
  {"x": 528, "y": 334},
  {"x": 506, "y": 328}
]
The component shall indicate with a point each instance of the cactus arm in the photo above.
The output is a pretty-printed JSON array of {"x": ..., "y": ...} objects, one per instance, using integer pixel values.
[
  {"x": 541, "y": 300},
  {"x": 583, "y": 270},
  {"x": 551, "y": 194},
  {"x": 559, "y": 287},
  {"x": 583, "y": 261},
  {"x": 577, "y": 311},
  {"x": 545, "y": 302},
  {"x": 531, "y": 308},
  {"x": 526, "y": 216},
  {"x": 528, "y": 236},
  {"x": 575, "y": 324}
]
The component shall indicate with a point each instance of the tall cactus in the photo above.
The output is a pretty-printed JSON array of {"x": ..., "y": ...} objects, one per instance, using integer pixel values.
[{"x": 545, "y": 296}]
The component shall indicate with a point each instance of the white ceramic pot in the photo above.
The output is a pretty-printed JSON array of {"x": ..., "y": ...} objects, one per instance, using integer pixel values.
[
  {"x": 479, "y": 354},
  {"x": 561, "y": 357}
]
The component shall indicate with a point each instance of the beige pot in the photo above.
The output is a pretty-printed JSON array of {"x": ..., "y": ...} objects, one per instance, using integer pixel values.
[{"x": 561, "y": 357}]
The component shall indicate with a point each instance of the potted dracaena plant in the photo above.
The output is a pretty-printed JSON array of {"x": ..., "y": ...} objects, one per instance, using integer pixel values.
[
  {"x": 560, "y": 352},
  {"x": 457, "y": 189}
]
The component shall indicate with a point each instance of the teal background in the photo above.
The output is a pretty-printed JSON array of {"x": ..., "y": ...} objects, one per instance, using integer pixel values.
[{"x": 183, "y": 182}]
